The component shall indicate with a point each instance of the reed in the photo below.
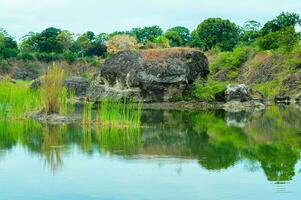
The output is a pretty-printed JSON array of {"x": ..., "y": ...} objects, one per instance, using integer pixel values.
[{"x": 114, "y": 113}]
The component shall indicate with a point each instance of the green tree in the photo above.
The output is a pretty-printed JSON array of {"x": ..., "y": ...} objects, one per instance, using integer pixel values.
[
  {"x": 251, "y": 31},
  {"x": 217, "y": 32},
  {"x": 8, "y": 46},
  {"x": 146, "y": 33},
  {"x": 47, "y": 41},
  {"x": 175, "y": 39},
  {"x": 65, "y": 39},
  {"x": 285, "y": 38},
  {"x": 282, "y": 21},
  {"x": 183, "y": 32}
]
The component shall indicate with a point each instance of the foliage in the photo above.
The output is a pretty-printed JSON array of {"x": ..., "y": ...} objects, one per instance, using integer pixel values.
[
  {"x": 146, "y": 34},
  {"x": 175, "y": 39},
  {"x": 282, "y": 21},
  {"x": 230, "y": 59},
  {"x": 207, "y": 90},
  {"x": 251, "y": 31},
  {"x": 183, "y": 32},
  {"x": 217, "y": 32},
  {"x": 121, "y": 43},
  {"x": 285, "y": 38},
  {"x": 8, "y": 46}
]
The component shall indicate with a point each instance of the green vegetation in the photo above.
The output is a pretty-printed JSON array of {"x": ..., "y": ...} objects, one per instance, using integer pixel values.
[
  {"x": 17, "y": 100},
  {"x": 114, "y": 113},
  {"x": 207, "y": 90}
]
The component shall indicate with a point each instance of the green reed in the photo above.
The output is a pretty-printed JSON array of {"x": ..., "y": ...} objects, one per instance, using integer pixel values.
[
  {"x": 18, "y": 100},
  {"x": 118, "y": 113}
]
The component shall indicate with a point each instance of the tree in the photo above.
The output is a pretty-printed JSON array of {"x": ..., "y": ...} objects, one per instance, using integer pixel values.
[
  {"x": 183, "y": 32},
  {"x": 175, "y": 39},
  {"x": 283, "y": 20},
  {"x": 29, "y": 43},
  {"x": 195, "y": 40},
  {"x": 121, "y": 43},
  {"x": 47, "y": 41},
  {"x": 146, "y": 33},
  {"x": 98, "y": 45},
  {"x": 250, "y": 31},
  {"x": 285, "y": 38},
  {"x": 217, "y": 32},
  {"x": 82, "y": 45},
  {"x": 65, "y": 39},
  {"x": 8, "y": 46}
]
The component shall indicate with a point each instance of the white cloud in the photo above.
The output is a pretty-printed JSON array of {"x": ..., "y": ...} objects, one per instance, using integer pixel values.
[{"x": 21, "y": 16}]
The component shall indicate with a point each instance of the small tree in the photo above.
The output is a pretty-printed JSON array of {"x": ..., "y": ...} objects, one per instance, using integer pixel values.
[{"x": 121, "y": 43}]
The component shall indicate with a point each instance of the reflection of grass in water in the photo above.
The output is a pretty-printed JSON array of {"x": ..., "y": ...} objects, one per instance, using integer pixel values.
[
  {"x": 114, "y": 113},
  {"x": 124, "y": 141}
]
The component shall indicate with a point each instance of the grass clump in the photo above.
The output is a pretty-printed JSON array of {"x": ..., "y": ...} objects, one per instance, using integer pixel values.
[{"x": 52, "y": 91}]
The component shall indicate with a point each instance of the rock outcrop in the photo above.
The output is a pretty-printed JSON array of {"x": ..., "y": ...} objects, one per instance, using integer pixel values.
[
  {"x": 149, "y": 75},
  {"x": 290, "y": 89},
  {"x": 77, "y": 84}
]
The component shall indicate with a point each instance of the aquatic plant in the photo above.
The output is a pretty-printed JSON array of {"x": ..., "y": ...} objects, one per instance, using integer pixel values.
[{"x": 114, "y": 113}]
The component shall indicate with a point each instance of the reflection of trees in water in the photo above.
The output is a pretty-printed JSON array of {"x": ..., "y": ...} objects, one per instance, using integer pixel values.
[{"x": 270, "y": 138}]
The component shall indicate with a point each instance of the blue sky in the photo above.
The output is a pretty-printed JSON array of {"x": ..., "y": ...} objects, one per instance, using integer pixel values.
[{"x": 19, "y": 17}]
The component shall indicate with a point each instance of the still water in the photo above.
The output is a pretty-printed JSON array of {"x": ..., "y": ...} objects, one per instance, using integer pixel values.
[{"x": 175, "y": 155}]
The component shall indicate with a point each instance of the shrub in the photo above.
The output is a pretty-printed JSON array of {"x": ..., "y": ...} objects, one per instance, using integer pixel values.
[
  {"x": 121, "y": 43},
  {"x": 206, "y": 91},
  {"x": 230, "y": 59}
]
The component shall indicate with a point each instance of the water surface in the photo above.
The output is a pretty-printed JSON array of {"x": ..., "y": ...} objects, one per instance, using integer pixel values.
[{"x": 175, "y": 155}]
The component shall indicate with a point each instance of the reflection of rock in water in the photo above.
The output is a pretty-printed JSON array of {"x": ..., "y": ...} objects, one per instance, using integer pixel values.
[{"x": 237, "y": 119}]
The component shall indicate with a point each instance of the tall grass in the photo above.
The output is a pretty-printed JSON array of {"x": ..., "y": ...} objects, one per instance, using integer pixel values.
[
  {"x": 52, "y": 90},
  {"x": 114, "y": 113},
  {"x": 16, "y": 100}
]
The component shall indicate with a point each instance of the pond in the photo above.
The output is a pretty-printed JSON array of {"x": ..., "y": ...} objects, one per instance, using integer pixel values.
[{"x": 214, "y": 155}]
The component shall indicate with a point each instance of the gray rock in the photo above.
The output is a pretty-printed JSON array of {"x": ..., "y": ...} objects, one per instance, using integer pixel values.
[
  {"x": 36, "y": 84},
  {"x": 241, "y": 93},
  {"x": 20, "y": 74},
  {"x": 77, "y": 84},
  {"x": 149, "y": 75}
]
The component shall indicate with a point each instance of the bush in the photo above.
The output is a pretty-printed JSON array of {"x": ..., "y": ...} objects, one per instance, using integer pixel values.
[
  {"x": 230, "y": 59},
  {"x": 206, "y": 91},
  {"x": 285, "y": 39}
]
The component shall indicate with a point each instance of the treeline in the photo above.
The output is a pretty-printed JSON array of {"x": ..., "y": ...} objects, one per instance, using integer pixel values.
[{"x": 213, "y": 33}]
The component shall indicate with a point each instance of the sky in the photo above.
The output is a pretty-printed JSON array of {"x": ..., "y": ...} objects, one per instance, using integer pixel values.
[{"x": 19, "y": 17}]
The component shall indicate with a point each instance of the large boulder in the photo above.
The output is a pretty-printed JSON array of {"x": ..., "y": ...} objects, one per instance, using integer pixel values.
[{"x": 154, "y": 75}]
